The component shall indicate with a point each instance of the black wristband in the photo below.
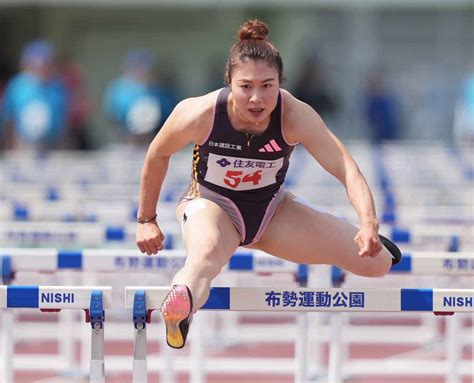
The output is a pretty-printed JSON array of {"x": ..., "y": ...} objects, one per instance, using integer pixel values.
[{"x": 146, "y": 220}]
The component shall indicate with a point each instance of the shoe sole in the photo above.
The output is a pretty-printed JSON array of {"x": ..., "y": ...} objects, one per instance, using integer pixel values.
[{"x": 174, "y": 312}]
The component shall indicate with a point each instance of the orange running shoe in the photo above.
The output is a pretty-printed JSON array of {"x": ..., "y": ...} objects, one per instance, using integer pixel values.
[{"x": 177, "y": 313}]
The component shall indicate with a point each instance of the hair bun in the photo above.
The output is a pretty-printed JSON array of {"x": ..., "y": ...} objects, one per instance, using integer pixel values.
[{"x": 253, "y": 30}]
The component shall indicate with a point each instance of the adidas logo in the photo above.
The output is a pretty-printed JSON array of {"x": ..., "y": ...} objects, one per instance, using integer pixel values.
[{"x": 272, "y": 146}]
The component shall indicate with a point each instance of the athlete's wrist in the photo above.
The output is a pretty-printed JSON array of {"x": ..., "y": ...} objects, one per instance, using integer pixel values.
[
  {"x": 144, "y": 219},
  {"x": 371, "y": 222}
]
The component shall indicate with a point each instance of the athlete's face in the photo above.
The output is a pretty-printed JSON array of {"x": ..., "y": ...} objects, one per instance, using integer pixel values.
[{"x": 255, "y": 86}]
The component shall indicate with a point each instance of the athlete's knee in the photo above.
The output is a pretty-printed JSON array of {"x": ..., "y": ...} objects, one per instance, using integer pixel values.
[
  {"x": 380, "y": 265},
  {"x": 204, "y": 259}
]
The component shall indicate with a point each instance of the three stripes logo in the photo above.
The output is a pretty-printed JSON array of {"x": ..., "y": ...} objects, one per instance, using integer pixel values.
[{"x": 272, "y": 146}]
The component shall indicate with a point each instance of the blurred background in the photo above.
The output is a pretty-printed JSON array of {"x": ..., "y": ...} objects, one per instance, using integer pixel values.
[
  {"x": 359, "y": 63},
  {"x": 84, "y": 87}
]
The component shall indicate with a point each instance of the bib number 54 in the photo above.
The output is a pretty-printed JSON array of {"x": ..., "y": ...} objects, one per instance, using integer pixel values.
[{"x": 233, "y": 178}]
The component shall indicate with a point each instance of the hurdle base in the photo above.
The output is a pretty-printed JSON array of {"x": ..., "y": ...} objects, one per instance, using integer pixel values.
[
  {"x": 140, "y": 369},
  {"x": 443, "y": 313},
  {"x": 97, "y": 371}
]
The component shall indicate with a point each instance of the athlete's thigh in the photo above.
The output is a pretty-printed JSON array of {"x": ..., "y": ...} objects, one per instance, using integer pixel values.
[
  {"x": 208, "y": 228},
  {"x": 302, "y": 234}
]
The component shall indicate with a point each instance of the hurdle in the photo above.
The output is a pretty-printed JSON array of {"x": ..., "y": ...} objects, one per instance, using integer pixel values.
[
  {"x": 94, "y": 300},
  {"x": 450, "y": 264},
  {"x": 91, "y": 209},
  {"x": 78, "y": 210},
  {"x": 115, "y": 260},
  {"x": 437, "y": 301},
  {"x": 417, "y": 232},
  {"x": 411, "y": 214},
  {"x": 123, "y": 192},
  {"x": 435, "y": 263},
  {"x": 108, "y": 165},
  {"x": 94, "y": 234},
  {"x": 14, "y": 260},
  {"x": 142, "y": 300},
  {"x": 69, "y": 234}
]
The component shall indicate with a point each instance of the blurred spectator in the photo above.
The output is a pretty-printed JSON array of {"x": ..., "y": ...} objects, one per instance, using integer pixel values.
[
  {"x": 464, "y": 113},
  {"x": 215, "y": 74},
  {"x": 79, "y": 107},
  {"x": 135, "y": 101},
  {"x": 381, "y": 109},
  {"x": 312, "y": 89},
  {"x": 4, "y": 76},
  {"x": 35, "y": 101}
]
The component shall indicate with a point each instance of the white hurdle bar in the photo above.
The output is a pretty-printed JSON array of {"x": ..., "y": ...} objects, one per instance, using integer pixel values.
[
  {"x": 75, "y": 233},
  {"x": 142, "y": 300},
  {"x": 123, "y": 260},
  {"x": 96, "y": 233},
  {"x": 416, "y": 232},
  {"x": 321, "y": 299},
  {"x": 54, "y": 298}
]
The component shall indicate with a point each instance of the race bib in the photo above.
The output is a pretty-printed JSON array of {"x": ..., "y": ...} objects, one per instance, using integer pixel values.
[{"x": 240, "y": 174}]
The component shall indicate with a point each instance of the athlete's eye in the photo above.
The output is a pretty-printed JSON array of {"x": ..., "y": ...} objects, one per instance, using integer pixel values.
[
  {"x": 267, "y": 85},
  {"x": 245, "y": 86}
]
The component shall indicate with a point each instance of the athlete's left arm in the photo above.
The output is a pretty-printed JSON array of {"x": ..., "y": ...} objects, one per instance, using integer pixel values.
[{"x": 302, "y": 124}]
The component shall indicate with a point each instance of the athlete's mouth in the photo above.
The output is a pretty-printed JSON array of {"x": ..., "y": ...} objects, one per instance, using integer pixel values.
[{"x": 256, "y": 112}]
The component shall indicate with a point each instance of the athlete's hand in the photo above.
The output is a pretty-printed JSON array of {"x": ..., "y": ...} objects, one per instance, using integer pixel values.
[
  {"x": 149, "y": 237},
  {"x": 368, "y": 241}
]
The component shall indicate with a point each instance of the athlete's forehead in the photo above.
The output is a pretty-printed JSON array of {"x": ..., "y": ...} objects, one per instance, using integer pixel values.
[
  {"x": 251, "y": 71},
  {"x": 244, "y": 79}
]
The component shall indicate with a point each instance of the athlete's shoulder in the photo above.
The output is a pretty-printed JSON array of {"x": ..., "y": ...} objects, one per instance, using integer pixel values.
[
  {"x": 293, "y": 109},
  {"x": 291, "y": 103},
  {"x": 196, "y": 114},
  {"x": 297, "y": 116},
  {"x": 199, "y": 107}
]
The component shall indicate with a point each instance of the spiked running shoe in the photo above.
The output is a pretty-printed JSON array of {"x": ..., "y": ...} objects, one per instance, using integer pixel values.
[
  {"x": 177, "y": 313},
  {"x": 392, "y": 248}
]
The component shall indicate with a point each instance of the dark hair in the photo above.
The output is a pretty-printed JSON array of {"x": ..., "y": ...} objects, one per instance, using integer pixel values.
[{"x": 253, "y": 45}]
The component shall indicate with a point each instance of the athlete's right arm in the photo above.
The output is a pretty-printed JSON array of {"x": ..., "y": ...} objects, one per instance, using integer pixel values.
[{"x": 187, "y": 123}]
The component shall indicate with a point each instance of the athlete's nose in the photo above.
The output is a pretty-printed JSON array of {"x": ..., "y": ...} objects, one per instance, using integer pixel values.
[{"x": 255, "y": 97}]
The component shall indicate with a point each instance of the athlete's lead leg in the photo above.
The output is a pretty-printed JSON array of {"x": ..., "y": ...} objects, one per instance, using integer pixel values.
[{"x": 210, "y": 239}]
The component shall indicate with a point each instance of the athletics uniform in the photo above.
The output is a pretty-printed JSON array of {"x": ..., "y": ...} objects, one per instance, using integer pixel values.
[{"x": 240, "y": 172}]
